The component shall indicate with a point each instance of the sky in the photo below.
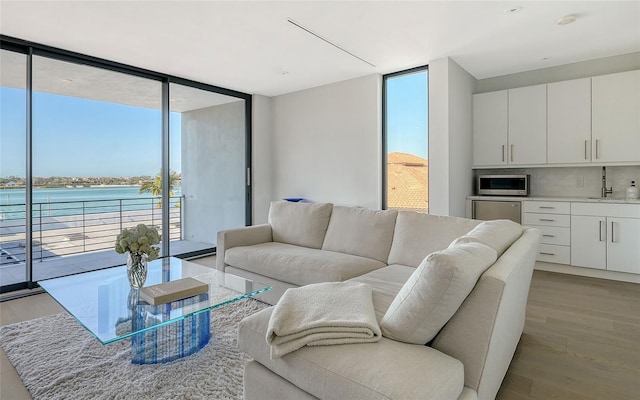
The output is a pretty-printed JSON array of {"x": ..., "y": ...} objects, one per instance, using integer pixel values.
[
  {"x": 80, "y": 137},
  {"x": 407, "y": 119}
]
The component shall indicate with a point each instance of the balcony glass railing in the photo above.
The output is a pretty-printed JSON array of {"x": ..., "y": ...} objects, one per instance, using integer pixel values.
[{"x": 73, "y": 227}]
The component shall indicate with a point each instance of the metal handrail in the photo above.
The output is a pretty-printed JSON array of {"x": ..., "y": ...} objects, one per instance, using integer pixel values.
[{"x": 88, "y": 225}]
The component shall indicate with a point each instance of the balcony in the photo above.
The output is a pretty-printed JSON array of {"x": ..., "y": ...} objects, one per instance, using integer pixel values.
[{"x": 77, "y": 236}]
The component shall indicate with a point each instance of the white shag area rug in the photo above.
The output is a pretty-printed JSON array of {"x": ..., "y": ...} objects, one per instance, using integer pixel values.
[{"x": 56, "y": 358}]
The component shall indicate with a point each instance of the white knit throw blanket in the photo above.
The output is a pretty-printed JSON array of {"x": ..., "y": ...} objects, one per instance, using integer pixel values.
[{"x": 322, "y": 314}]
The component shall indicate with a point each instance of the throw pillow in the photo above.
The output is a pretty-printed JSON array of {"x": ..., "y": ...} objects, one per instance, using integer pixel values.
[
  {"x": 435, "y": 291},
  {"x": 301, "y": 224},
  {"x": 361, "y": 232},
  {"x": 498, "y": 234}
]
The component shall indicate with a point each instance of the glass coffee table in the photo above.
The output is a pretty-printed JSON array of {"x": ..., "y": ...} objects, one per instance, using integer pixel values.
[{"x": 103, "y": 302}]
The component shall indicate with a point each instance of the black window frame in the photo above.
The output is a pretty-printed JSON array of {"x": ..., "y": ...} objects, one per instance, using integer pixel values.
[{"x": 385, "y": 78}]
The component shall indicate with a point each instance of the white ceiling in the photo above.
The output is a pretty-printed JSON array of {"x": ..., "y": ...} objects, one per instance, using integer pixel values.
[{"x": 251, "y": 47}]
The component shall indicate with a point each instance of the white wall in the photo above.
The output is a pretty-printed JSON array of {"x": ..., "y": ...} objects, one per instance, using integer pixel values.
[
  {"x": 601, "y": 66},
  {"x": 261, "y": 157},
  {"x": 450, "y": 137},
  {"x": 327, "y": 143},
  {"x": 213, "y": 170}
]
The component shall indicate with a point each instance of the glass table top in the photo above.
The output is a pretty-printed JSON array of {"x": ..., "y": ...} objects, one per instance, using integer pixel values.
[{"x": 103, "y": 302}]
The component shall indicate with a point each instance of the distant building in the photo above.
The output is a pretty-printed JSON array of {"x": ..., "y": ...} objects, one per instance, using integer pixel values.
[{"x": 407, "y": 182}]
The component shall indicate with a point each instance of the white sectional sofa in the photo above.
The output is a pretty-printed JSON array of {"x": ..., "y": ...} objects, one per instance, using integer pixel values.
[{"x": 306, "y": 243}]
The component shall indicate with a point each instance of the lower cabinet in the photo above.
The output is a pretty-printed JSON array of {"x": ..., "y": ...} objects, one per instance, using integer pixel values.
[
  {"x": 588, "y": 241},
  {"x": 623, "y": 246},
  {"x": 592, "y": 235},
  {"x": 606, "y": 240},
  {"x": 553, "y": 219}
]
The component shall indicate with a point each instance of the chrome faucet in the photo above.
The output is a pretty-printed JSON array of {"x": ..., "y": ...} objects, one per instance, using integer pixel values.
[{"x": 604, "y": 190}]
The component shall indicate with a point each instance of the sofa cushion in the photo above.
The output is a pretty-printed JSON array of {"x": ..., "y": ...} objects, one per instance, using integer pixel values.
[
  {"x": 385, "y": 283},
  {"x": 361, "y": 232},
  {"x": 302, "y": 224},
  {"x": 434, "y": 292},
  {"x": 417, "y": 235},
  {"x": 298, "y": 265},
  {"x": 498, "y": 234},
  {"x": 383, "y": 370}
]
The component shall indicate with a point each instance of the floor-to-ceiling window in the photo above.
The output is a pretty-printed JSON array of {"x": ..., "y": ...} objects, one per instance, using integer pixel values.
[
  {"x": 97, "y": 137},
  {"x": 87, "y": 146},
  {"x": 405, "y": 137},
  {"x": 13, "y": 119}
]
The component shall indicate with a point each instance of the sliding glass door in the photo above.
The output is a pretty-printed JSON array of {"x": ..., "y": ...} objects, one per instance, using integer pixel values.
[
  {"x": 97, "y": 138},
  {"x": 13, "y": 140},
  {"x": 90, "y": 147},
  {"x": 208, "y": 144}
]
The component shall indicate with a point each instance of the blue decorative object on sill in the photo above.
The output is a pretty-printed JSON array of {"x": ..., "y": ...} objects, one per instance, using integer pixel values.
[{"x": 294, "y": 199}]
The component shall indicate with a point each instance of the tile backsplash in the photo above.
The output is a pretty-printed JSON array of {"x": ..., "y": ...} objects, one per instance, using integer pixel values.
[{"x": 574, "y": 181}]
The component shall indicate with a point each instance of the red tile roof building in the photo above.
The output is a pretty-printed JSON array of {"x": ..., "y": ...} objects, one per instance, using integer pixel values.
[{"x": 407, "y": 182}]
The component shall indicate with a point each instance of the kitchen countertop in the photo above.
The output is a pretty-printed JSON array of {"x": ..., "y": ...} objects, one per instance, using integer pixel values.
[{"x": 558, "y": 198}]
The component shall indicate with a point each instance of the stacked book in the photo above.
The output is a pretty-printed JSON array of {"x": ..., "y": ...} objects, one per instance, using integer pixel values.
[{"x": 172, "y": 291}]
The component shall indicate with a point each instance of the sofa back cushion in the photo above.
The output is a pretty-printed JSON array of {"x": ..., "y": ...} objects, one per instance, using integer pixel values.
[
  {"x": 433, "y": 293},
  {"x": 417, "y": 235},
  {"x": 361, "y": 232},
  {"x": 498, "y": 234},
  {"x": 301, "y": 224}
]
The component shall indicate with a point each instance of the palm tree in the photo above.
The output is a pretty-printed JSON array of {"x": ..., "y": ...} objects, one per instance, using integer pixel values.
[{"x": 155, "y": 186}]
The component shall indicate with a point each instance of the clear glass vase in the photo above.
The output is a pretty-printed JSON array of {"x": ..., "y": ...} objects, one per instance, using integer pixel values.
[{"x": 136, "y": 269}]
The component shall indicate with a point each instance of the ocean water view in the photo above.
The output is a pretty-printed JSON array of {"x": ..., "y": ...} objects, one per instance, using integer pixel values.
[{"x": 51, "y": 202}]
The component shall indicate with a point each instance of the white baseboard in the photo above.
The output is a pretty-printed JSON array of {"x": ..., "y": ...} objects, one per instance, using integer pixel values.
[{"x": 591, "y": 272}]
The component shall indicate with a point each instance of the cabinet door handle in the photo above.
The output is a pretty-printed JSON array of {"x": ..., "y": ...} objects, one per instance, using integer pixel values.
[
  {"x": 549, "y": 235},
  {"x": 502, "y": 153},
  {"x": 511, "y": 151},
  {"x": 586, "y": 142},
  {"x": 546, "y": 219},
  {"x": 547, "y": 254},
  {"x": 550, "y": 208},
  {"x": 597, "y": 148},
  {"x": 612, "y": 224},
  {"x": 601, "y": 224}
]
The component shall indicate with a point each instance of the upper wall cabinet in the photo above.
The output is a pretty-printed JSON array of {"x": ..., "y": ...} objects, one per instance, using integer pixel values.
[
  {"x": 510, "y": 127},
  {"x": 569, "y": 122},
  {"x": 582, "y": 121},
  {"x": 528, "y": 125},
  {"x": 616, "y": 117},
  {"x": 490, "y": 128}
]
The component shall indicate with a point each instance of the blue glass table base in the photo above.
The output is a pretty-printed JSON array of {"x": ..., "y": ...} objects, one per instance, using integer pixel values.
[{"x": 168, "y": 342}]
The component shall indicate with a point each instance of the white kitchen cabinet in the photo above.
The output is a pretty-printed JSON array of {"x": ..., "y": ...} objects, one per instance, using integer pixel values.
[
  {"x": 616, "y": 117},
  {"x": 623, "y": 245},
  {"x": 553, "y": 219},
  {"x": 569, "y": 122},
  {"x": 589, "y": 241},
  {"x": 606, "y": 236},
  {"x": 490, "y": 128},
  {"x": 527, "y": 133}
]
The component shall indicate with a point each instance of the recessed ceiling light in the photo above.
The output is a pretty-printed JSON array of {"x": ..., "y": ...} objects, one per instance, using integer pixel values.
[
  {"x": 67, "y": 81},
  {"x": 513, "y": 10},
  {"x": 566, "y": 20}
]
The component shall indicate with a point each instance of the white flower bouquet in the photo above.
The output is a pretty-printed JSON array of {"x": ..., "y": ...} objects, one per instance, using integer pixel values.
[{"x": 139, "y": 240}]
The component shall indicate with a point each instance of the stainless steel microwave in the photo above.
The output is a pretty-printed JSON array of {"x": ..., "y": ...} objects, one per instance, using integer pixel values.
[{"x": 503, "y": 185}]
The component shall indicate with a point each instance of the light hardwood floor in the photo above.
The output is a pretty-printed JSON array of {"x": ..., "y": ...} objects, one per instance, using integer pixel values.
[{"x": 581, "y": 340}]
